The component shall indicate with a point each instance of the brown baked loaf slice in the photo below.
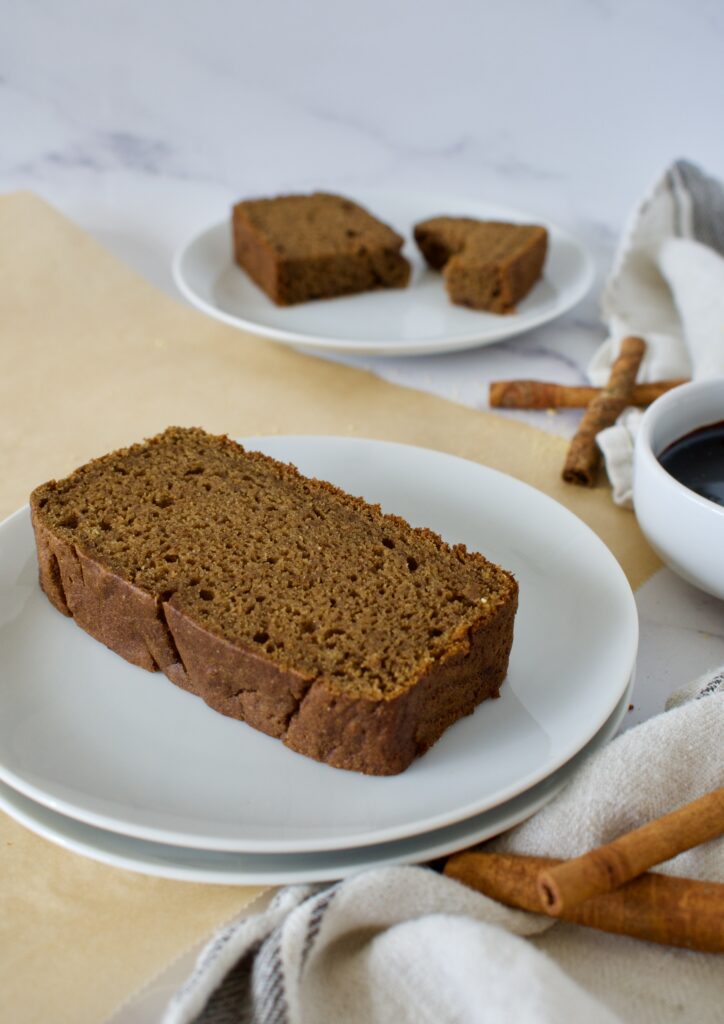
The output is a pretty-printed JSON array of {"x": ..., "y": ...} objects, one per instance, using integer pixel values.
[
  {"x": 487, "y": 265},
  {"x": 303, "y": 247},
  {"x": 278, "y": 599}
]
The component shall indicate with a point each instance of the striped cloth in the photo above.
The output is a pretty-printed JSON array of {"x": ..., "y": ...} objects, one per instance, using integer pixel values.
[
  {"x": 667, "y": 285},
  {"x": 405, "y": 945}
]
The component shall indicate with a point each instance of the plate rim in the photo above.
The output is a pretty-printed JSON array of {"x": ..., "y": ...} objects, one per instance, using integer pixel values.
[
  {"x": 389, "y": 833},
  {"x": 498, "y": 822},
  {"x": 508, "y": 327}
]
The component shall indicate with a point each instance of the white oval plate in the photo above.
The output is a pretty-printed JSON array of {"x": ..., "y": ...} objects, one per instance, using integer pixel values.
[
  {"x": 189, "y": 865},
  {"x": 95, "y": 738},
  {"x": 399, "y": 321}
]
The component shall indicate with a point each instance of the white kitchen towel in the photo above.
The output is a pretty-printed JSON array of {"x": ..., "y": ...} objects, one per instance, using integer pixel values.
[
  {"x": 667, "y": 285},
  {"x": 405, "y": 944}
]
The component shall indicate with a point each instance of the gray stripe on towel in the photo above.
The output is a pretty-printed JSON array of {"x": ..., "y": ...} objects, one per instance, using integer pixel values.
[{"x": 705, "y": 202}]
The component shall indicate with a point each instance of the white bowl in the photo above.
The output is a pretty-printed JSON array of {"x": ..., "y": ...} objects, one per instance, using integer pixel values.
[{"x": 685, "y": 529}]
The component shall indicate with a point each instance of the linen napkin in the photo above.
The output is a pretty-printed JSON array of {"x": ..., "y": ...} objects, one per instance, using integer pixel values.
[
  {"x": 667, "y": 285},
  {"x": 405, "y": 944}
]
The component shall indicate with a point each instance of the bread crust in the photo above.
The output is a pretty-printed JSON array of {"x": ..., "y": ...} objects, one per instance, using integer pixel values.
[{"x": 377, "y": 737}]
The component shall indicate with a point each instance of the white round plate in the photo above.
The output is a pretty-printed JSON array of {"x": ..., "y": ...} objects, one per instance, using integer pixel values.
[
  {"x": 398, "y": 321},
  {"x": 189, "y": 865},
  {"x": 97, "y": 739}
]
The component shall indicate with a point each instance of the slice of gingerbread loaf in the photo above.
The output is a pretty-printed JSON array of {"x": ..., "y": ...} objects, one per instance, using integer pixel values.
[
  {"x": 488, "y": 265},
  {"x": 278, "y": 599},
  {"x": 303, "y": 247}
]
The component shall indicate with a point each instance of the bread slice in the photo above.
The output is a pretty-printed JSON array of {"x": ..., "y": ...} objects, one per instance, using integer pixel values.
[
  {"x": 278, "y": 599},
  {"x": 488, "y": 265},
  {"x": 318, "y": 246}
]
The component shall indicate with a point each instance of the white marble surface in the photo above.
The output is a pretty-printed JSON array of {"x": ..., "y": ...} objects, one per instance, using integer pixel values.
[{"x": 144, "y": 121}]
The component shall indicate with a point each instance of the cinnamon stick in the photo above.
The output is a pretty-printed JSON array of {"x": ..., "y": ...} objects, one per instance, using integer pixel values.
[
  {"x": 656, "y": 908},
  {"x": 543, "y": 394},
  {"x": 583, "y": 455},
  {"x": 607, "y": 867}
]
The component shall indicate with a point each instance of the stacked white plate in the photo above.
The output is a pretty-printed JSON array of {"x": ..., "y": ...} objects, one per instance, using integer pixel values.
[{"x": 120, "y": 765}]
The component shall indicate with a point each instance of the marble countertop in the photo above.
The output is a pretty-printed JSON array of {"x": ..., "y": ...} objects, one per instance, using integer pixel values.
[{"x": 143, "y": 122}]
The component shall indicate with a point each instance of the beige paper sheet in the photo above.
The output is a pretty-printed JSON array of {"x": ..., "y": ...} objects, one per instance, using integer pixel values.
[{"x": 91, "y": 358}]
